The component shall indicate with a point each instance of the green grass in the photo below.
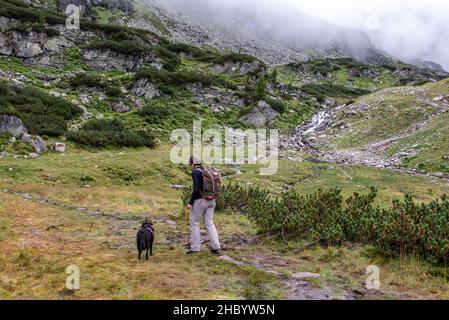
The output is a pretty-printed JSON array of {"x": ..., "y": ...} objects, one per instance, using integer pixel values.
[
  {"x": 307, "y": 177},
  {"x": 387, "y": 114}
]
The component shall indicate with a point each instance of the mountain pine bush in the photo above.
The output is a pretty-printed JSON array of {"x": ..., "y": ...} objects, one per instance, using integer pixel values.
[
  {"x": 405, "y": 228},
  {"x": 111, "y": 132}
]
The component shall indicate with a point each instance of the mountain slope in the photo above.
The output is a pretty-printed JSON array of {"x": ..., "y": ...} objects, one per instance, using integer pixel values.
[
  {"x": 404, "y": 127},
  {"x": 276, "y": 36}
]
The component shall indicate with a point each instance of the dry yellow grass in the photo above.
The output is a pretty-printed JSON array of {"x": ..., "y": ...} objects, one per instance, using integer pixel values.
[{"x": 38, "y": 239}]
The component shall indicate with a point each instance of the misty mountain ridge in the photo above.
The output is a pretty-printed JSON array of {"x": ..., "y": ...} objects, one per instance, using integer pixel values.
[{"x": 284, "y": 35}]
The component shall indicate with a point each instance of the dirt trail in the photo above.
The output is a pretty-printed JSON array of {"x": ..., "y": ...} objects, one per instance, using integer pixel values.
[{"x": 297, "y": 284}]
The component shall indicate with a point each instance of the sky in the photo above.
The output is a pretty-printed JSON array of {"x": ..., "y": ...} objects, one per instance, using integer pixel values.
[{"x": 406, "y": 29}]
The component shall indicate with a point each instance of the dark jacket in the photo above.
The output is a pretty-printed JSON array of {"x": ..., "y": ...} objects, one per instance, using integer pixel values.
[{"x": 197, "y": 177}]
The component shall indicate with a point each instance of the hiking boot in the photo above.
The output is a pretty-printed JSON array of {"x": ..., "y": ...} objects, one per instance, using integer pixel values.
[
  {"x": 216, "y": 252},
  {"x": 190, "y": 252}
]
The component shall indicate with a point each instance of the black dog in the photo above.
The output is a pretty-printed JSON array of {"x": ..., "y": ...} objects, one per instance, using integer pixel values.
[{"x": 145, "y": 238}]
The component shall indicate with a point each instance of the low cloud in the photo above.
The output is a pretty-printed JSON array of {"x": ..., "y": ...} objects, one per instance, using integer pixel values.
[{"x": 406, "y": 29}]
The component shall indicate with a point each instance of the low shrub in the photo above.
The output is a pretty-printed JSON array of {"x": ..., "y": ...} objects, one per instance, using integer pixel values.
[
  {"x": 88, "y": 80},
  {"x": 323, "y": 90},
  {"x": 111, "y": 132},
  {"x": 41, "y": 113},
  {"x": 155, "y": 114},
  {"x": 113, "y": 91},
  {"x": 324, "y": 217},
  {"x": 171, "y": 60},
  {"x": 165, "y": 77},
  {"x": 277, "y": 105}
]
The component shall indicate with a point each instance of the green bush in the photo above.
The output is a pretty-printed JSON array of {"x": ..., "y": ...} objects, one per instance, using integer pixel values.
[
  {"x": 111, "y": 132},
  {"x": 113, "y": 92},
  {"x": 405, "y": 228},
  {"x": 41, "y": 113},
  {"x": 155, "y": 114},
  {"x": 277, "y": 105},
  {"x": 171, "y": 60},
  {"x": 164, "y": 77},
  {"x": 23, "y": 12},
  {"x": 323, "y": 90},
  {"x": 87, "y": 80}
]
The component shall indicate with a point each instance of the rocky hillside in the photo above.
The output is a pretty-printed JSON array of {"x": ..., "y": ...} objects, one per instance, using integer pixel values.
[
  {"x": 299, "y": 37},
  {"x": 403, "y": 128},
  {"x": 111, "y": 84}
]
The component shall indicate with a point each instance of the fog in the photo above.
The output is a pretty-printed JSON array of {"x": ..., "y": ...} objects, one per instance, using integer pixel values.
[{"x": 405, "y": 29}]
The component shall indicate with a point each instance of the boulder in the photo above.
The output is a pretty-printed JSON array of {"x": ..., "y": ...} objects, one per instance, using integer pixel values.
[
  {"x": 260, "y": 116},
  {"x": 119, "y": 106},
  {"x": 13, "y": 125},
  {"x": 27, "y": 45},
  {"x": 36, "y": 141},
  {"x": 145, "y": 89}
]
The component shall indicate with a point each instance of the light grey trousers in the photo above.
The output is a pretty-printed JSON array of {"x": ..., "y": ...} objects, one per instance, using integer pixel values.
[{"x": 203, "y": 209}]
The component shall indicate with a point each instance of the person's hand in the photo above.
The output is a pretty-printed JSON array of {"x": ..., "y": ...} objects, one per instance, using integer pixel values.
[{"x": 189, "y": 207}]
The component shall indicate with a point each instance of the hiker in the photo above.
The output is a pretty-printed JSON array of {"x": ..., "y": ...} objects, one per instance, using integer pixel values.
[{"x": 202, "y": 205}]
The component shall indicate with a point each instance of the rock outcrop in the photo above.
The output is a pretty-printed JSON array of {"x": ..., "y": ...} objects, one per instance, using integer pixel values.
[
  {"x": 36, "y": 141},
  {"x": 145, "y": 89},
  {"x": 13, "y": 125},
  {"x": 110, "y": 60},
  {"x": 260, "y": 116},
  {"x": 217, "y": 99}
]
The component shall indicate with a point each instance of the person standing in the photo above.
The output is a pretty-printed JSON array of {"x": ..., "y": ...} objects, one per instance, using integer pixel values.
[{"x": 201, "y": 208}]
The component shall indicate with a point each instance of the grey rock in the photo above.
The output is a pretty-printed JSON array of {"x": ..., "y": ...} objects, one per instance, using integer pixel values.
[
  {"x": 17, "y": 84},
  {"x": 57, "y": 44},
  {"x": 13, "y": 125},
  {"x": 232, "y": 260},
  {"x": 145, "y": 89},
  {"x": 37, "y": 142},
  {"x": 33, "y": 155},
  {"x": 260, "y": 116},
  {"x": 5, "y": 45},
  {"x": 27, "y": 45},
  {"x": 4, "y": 23},
  {"x": 119, "y": 106},
  {"x": 305, "y": 275},
  {"x": 107, "y": 60}
]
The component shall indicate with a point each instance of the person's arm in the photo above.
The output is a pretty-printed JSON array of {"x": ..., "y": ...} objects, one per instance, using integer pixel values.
[{"x": 196, "y": 188}]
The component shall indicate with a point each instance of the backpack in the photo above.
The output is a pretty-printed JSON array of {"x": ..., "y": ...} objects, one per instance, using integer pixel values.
[{"x": 211, "y": 183}]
